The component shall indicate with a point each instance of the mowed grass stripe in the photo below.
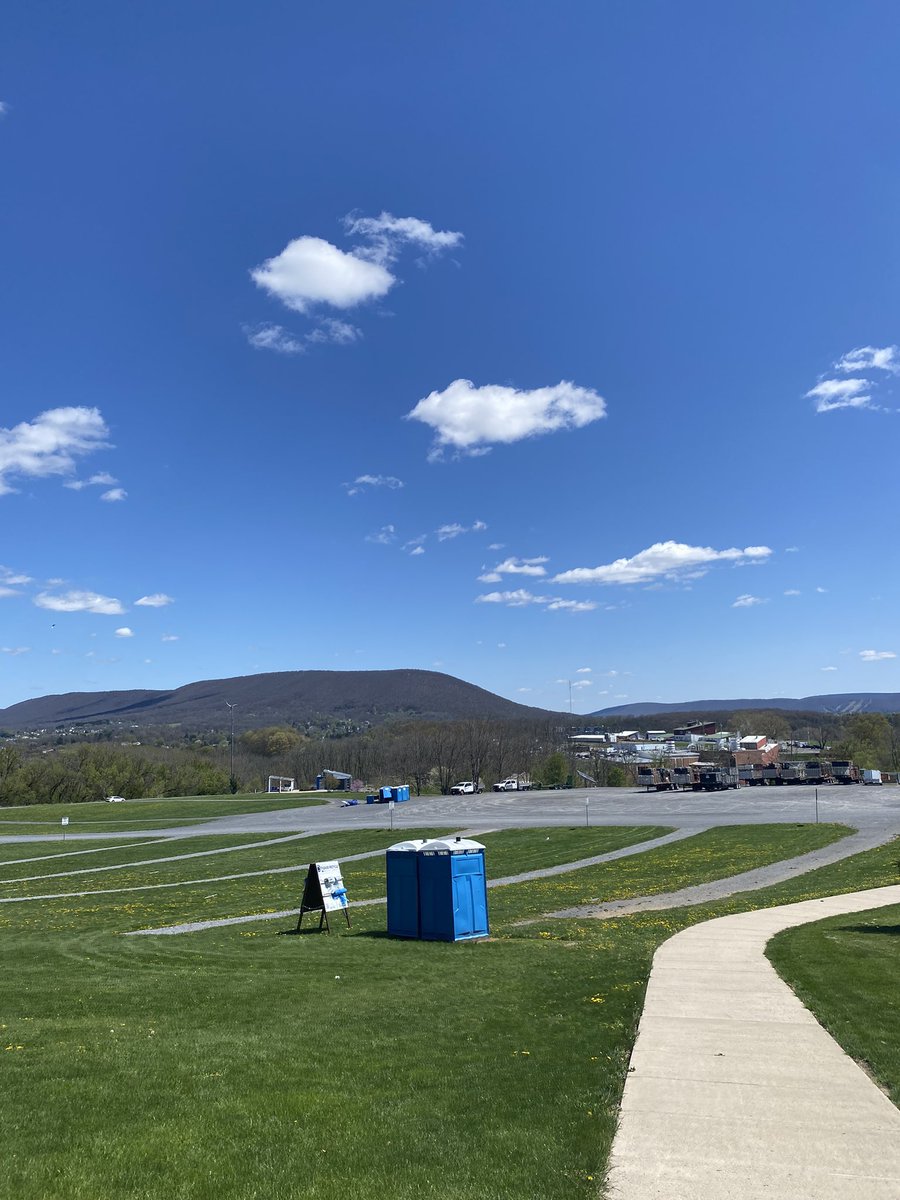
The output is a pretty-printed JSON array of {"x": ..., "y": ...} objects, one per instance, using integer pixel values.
[
  {"x": 101, "y": 815},
  {"x": 13, "y": 853}
]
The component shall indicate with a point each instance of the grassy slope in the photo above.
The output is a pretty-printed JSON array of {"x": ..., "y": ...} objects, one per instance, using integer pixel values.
[
  {"x": 100, "y": 816},
  {"x": 847, "y": 971},
  {"x": 235, "y": 1063}
]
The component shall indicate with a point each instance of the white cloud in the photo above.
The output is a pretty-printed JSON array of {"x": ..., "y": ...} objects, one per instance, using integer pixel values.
[
  {"x": 385, "y": 535},
  {"x": 372, "y": 481},
  {"x": 114, "y": 494},
  {"x": 792, "y": 592},
  {"x": 76, "y": 601},
  {"x": 828, "y": 668},
  {"x": 447, "y": 532},
  {"x": 747, "y": 601},
  {"x": 331, "y": 330},
  {"x": 4, "y": 108},
  {"x": 102, "y": 478},
  {"x": 515, "y": 566},
  {"x": 520, "y": 598},
  {"x": 156, "y": 600},
  {"x": 662, "y": 560},
  {"x": 50, "y": 444},
  {"x": 582, "y": 683},
  {"x": 169, "y": 637},
  {"x": 417, "y": 550},
  {"x": 311, "y": 271},
  {"x": 124, "y": 632},
  {"x": 867, "y": 358},
  {"x": 470, "y": 419},
  {"x": 822, "y": 591},
  {"x": 831, "y": 394},
  {"x": 876, "y": 655},
  {"x": 11, "y": 580},
  {"x": 385, "y": 234},
  {"x": 274, "y": 337},
  {"x": 14, "y": 650},
  {"x": 583, "y": 671}
]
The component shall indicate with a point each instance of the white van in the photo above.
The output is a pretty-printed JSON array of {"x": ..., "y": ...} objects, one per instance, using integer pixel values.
[{"x": 872, "y": 777}]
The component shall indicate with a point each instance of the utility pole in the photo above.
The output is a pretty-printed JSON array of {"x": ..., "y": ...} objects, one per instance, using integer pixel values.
[{"x": 232, "y": 782}]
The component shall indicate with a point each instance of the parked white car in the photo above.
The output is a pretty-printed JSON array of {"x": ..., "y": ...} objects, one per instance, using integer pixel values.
[
  {"x": 466, "y": 788},
  {"x": 115, "y": 799}
]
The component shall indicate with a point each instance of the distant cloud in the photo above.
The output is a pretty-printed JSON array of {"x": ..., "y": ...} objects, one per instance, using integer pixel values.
[
  {"x": 76, "y": 601},
  {"x": 447, "y": 532},
  {"x": 361, "y": 482},
  {"x": 114, "y": 494},
  {"x": 273, "y": 337},
  {"x": 747, "y": 601},
  {"x": 124, "y": 632},
  {"x": 102, "y": 479},
  {"x": 876, "y": 655},
  {"x": 582, "y": 683},
  {"x": 831, "y": 394},
  {"x": 169, "y": 637},
  {"x": 338, "y": 333},
  {"x": 515, "y": 566},
  {"x": 416, "y": 551},
  {"x": 386, "y": 233},
  {"x": 15, "y": 650},
  {"x": 520, "y": 598},
  {"x": 662, "y": 560},
  {"x": 822, "y": 591},
  {"x": 156, "y": 600},
  {"x": 792, "y": 592},
  {"x": 827, "y": 668},
  {"x": 469, "y": 420},
  {"x": 50, "y": 444},
  {"x": 310, "y": 272},
  {"x": 4, "y": 108},
  {"x": 868, "y": 358},
  {"x": 11, "y": 581},
  {"x": 583, "y": 671},
  {"x": 385, "y": 535}
]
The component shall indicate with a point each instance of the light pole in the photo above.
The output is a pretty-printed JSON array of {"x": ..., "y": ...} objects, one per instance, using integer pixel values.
[{"x": 231, "y": 782}]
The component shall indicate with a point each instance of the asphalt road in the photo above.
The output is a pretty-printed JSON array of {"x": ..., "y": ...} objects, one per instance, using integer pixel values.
[{"x": 865, "y": 808}]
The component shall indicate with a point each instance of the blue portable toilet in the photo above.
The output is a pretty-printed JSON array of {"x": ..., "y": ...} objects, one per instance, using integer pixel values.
[
  {"x": 452, "y": 890},
  {"x": 402, "y": 864}
]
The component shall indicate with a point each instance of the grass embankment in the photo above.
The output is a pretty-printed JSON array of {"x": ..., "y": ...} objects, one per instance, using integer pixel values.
[
  {"x": 101, "y": 816},
  {"x": 846, "y": 970},
  {"x": 236, "y": 1063}
]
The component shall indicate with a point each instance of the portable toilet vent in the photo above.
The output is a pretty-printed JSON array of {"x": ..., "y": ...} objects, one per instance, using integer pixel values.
[{"x": 452, "y": 890}]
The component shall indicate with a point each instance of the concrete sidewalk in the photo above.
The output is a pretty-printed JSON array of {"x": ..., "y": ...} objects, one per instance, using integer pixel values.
[{"x": 736, "y": 1091}]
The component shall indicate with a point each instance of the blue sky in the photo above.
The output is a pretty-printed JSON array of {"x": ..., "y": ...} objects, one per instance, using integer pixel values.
[{"x": 529, "y": 343}]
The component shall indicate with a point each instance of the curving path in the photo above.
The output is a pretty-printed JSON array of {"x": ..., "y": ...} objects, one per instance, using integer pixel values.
[
  {"x": 735, "y": 1091},
  {"x": 718, "y": 889}
]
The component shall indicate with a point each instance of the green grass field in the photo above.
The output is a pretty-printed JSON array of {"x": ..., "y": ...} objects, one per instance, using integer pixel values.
[
  {"x": 846, "y": 970},
  {"x": 103, "y": 817},
  {"x": 239, "y": 1064}
]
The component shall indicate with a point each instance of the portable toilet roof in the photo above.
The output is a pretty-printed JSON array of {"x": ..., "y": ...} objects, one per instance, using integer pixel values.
[
  {"x": 454, "y": 845},
  {"x": 413, "y": 844}
]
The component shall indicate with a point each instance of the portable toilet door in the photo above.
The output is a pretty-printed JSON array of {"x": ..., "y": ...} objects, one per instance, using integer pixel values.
[
  {"x": 402, "y": 866},
  {"x": 452, "y": 890}
]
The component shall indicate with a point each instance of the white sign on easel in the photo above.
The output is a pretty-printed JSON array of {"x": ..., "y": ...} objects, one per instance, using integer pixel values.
[{"x": 324, "y": 892}]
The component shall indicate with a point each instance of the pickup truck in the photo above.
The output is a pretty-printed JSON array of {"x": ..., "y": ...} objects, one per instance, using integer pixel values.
[
  {"x": 512, "y": 784},
  {"x": 466, "y": 788}
]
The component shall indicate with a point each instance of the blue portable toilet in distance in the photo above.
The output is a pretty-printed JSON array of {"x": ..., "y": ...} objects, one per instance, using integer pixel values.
[
  {"x": 402, "y": 866},
  {"x": 452, "y": 890}
]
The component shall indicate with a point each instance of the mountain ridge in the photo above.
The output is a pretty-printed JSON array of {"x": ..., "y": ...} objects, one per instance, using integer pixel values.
[
  {"x": 836, "y": 703},
  {"x": 277, "y": 697}
]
